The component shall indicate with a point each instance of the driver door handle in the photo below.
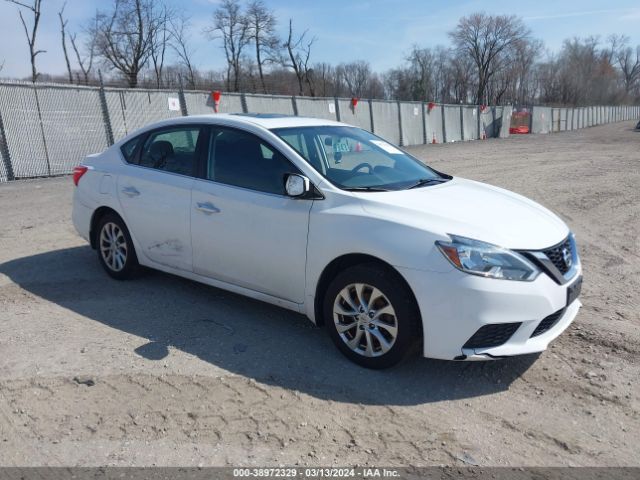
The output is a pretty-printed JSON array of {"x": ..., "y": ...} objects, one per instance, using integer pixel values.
[{"x": 207, "y": 208}]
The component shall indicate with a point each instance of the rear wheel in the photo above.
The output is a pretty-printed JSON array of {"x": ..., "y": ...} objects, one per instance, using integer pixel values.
[
  {"x": 371, "y": 316},
  {"x": 115, "y": 248}
]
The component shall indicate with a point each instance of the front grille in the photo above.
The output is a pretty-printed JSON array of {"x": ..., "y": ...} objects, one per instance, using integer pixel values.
[
  {"x": 556, "y": 255},
  {"x": 492, "y": 335},
  {"x": 547, "y": 323}
]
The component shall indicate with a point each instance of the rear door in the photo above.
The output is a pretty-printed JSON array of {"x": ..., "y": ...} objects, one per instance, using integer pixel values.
[
  {"x": 245, "y": 229},
  {"x": 155, "y": 194}
]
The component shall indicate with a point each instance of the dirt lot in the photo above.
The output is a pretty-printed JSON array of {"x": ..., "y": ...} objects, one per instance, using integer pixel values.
[{"x": 164, "y": 371}]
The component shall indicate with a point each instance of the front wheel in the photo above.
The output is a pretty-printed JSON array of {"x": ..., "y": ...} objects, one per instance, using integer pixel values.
[
  {"x": 371, "y": 316},
  {"x": 115, "y": 248}
]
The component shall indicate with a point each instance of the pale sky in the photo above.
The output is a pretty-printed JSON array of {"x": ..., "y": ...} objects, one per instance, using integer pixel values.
[{"x": 379, "y": 31}]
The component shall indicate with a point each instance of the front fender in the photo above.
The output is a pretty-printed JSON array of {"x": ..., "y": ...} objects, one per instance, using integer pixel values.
[{"x": 338, "y": 228}]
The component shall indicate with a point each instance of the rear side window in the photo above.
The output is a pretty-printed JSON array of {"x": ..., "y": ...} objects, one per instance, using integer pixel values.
[
  {"x": 129, "y": 149},
  {"x": 172, "y": 150}
]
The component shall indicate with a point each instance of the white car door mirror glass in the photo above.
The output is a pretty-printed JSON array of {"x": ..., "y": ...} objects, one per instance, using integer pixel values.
[{"x": 296, "y": 185}]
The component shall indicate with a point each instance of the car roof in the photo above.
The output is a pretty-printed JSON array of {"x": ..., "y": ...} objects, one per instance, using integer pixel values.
[
  {"x": 265, "y": 120},
  {"x": 262, "y": 120}
]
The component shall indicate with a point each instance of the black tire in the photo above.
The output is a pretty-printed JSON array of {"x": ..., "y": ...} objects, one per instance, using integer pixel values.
[
  {"x": 394, "y": 291},
  {"x": 129, "y": 267}
]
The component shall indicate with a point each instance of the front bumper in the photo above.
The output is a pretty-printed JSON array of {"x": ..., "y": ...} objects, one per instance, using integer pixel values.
[{"x": 454, "y": 305}]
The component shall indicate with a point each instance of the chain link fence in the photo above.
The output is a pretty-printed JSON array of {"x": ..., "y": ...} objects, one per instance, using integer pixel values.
[{"x": 47, "y": 129}]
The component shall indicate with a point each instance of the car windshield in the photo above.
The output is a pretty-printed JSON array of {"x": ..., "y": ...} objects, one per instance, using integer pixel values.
[{"x": 354, "y": 159}]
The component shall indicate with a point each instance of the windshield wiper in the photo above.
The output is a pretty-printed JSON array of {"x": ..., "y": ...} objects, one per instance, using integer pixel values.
[
  {"x": 427, "y": 181},
  {"x": 366, "y": 189}
]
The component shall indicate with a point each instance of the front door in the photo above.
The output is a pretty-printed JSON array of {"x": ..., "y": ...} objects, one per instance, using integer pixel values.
[{"x": 245, "y": 230}]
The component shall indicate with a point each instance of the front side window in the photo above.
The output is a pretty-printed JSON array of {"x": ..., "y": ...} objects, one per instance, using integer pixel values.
[
  {"x": 171, "y": 150},
  {"x": 244, "y": 160},
  {"x": 354, "y": 159}
]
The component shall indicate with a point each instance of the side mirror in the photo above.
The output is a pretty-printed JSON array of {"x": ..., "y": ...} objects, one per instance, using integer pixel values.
[{"x": 296, "y": 185}]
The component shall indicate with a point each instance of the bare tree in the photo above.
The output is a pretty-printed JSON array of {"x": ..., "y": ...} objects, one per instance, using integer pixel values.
[
  {"x": 63, "y": 33},
  {"x": 159, "y": 33},
  {"x": 262, "y": 25},
  {"x": 231, "y": 25},
  {"x": 421, "y": 67},
  {"x": 179, "y": 28},
  {"x": 323, "y": 79},
  {"x": 485, "y": 39},
  {"x": 525, "y": 55},
  {"x": 124, "y": 37},
  {"x": 299, "y": 52},
  {"x": 459, "y": 78},
  {"x": 627, "y": 60},
  {"x": 580, "y": 74},
  {"x": 85, "y": 62},
  {"x": 356, "y": 77},
  {"x": 31, "y": 37}
]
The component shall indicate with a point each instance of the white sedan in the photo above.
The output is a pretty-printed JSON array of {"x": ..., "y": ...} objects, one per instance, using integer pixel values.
[{"x": 338, "y": 224}]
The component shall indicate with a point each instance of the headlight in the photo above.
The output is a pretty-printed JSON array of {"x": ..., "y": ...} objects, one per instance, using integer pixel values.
[{"x": 486, "y": 260}]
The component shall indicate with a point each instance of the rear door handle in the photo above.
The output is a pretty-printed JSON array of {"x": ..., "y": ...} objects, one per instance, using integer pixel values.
[
  {"x": 207, "y": 208},
  {"x": 131, "y": 191}
]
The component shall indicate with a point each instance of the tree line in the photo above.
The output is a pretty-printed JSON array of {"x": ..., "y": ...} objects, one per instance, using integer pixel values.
[{"x": 491, "y": 59}]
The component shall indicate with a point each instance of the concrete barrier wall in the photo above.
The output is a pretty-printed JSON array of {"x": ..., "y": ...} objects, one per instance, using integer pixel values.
[
  {"x": 201, "y": 103},
  {"x": 23, "y": 132},
  {"x": 48, "y": 128},
  {"x": 269, "y": 104},
  {"x": 385, "y": 120},
  {"x": 487, "y": 123},
  {"x": 72, "y": 130},
  {"x": 470, "y": 122},
  {"x": 571, "y": 123},
  {"x": 505, "y": 121},
  {"x": 541, "y": 120},
  {"x": 433, "y": 124},
  {"x": 452, "y": 124},
  {"x": 412, "y": 122},
  {"x": 130, "y": 110},
  {"x": 360, "y": 115},
  {"x": 316, "y": 107}
]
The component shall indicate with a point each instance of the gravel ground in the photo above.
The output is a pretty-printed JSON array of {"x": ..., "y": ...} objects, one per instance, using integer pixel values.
[{"x": 164, "y": 371}]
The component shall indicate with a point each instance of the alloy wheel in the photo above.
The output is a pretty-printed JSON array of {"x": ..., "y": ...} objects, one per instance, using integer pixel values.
[
  {"x": 113, "y": 246},
  {"x": 365, "y": 319}
]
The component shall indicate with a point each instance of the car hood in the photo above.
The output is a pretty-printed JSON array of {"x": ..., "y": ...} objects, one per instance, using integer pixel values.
[{"x": 470, "y": 209}]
